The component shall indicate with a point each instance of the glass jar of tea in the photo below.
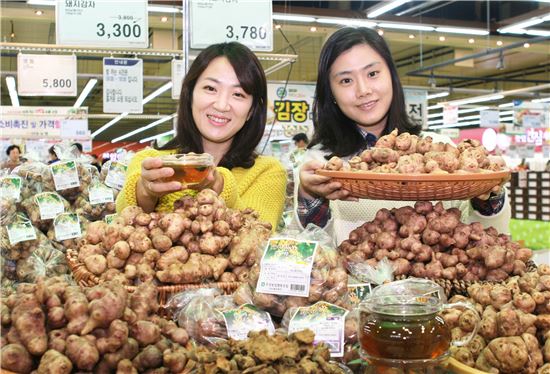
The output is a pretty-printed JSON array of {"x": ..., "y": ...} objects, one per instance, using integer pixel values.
[
  {"x": 400, "y": 326},
  {"x": 190, "y": 168}
]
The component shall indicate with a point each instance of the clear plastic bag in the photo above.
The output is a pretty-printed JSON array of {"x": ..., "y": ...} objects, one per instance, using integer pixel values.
[
  {"x": 97, "y": 201},
  {"x": 32, "y": 178},
  {"x": 45, "y": 261},
  {"x": 375, "y": 274},
  {"x": 197, "y": 311},
  {"x": 20, "y": 249},
  {"x": 63, "y": 245},
  {"x": 328, "y": 280},
  {"x": 49, "y": 199}
]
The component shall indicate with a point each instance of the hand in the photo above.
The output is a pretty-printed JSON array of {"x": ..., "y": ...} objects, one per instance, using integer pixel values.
[
  {"x": 315, "y": 186},
  {"x": 213, "y": 181},
  {"x": 151, "y": 181}
]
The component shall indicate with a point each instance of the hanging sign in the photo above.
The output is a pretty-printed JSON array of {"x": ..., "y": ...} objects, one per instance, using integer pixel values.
[
  {"x": 112, "y": 23},
  {"x": 489, "y": 118},
  {"x": 42, "y": 122},
  {"x": 450, "y": 115},
  {"x": 178, "y": 74},
  {"x": 46, "y": 75},
  {"x": 122, "y": 85},
  {"x": 416, "y": 102},
  {"x": 245, "y": 21}
]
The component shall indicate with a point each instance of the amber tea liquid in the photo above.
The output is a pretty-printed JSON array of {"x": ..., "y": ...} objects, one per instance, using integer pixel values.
[
  {"x": 404, "y": 337},
  {"x": 187, "y": 174}
]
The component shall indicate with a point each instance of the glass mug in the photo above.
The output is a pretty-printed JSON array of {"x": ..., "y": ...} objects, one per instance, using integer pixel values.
[
  {"x": 190, "y": 168},
  {"x": 400, "y": 326}
]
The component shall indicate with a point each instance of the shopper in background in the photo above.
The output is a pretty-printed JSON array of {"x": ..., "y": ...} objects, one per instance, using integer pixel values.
[
  {"x": 300, "y": 141},
  {"x": 78, "y": 148},
  {"x": 95, "y": 162},
  {"x": 14, "y": 158},
  {"x": 359, "y": 98},
  {"x": 52, "y": 155},
  {"x": 222, "y": 111}
]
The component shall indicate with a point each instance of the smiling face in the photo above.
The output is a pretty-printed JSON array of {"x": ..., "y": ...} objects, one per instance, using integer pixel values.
[
  {"x": 361, "y": 84},
  {"x": 220, "y": 105}
]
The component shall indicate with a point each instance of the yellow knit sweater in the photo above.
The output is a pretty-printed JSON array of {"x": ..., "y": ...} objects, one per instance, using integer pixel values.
[{"x": 262, "y": 187}]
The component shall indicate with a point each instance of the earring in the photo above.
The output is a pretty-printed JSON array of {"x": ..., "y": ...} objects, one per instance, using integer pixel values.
[{"x": 334, "y": 100}]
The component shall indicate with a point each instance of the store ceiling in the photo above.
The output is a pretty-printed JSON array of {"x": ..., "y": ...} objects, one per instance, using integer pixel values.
[{"x": 518, "y": 67}]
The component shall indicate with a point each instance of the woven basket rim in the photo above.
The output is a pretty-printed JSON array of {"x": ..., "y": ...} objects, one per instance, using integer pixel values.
[{"x": 397, "y": 177}]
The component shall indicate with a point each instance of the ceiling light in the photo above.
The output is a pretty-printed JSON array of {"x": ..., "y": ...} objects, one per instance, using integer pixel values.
[
  {"x": 291, "y": 18},
  {"x": 506, "y": 105},
  {"x": 380, "y": 32},
  {"x": 386, "y": 7},
  {"x": 436, "y": 106},
  {"x": 313, "y": 29},
  {"x": 162, "y": 9},
  {"x": 436, "y": 95},
  {"x": 41, "y": 2},
  {"x": 523, "y": 24},
  {"x": 12, "y": 34},
  {"x": 91, "y": 83},
  {"x": 471, "y": 41},
  {"x": 149, "y": 126},
  {"x": 159, "y": 91},
  {"x": 405, "y": 26},
  {"x": 476, "y": 99},
  {"x": 536, "y": 32},
  {"x": 38, "y": 12},
  {"x": 441, "y": 38},
  {"x": 163, "y": 19},
  {"x": 171, "y": 132},
  {"x": 346, "y": 21},
  {"x": 526, "y": 45},
  {"x": 460, "y": 111},
  {"x": 499, "y": 42},
  {"x": 109, "y": 124},
  {"x": 10, "y": 82},
  {"x": 459, "y": 124},
  {"x": 277, "y": 26},
  {"x": 543, "y": 100},
  {"x": 411, "y": 36},
  {"x": 462, "y": 30},
  {"x": 506, "y": 113}
]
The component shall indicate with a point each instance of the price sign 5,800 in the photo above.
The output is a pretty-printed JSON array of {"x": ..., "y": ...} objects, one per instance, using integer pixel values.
[
  {"x": 118, "y": 30},
  {"x": 245, "y": 32}
]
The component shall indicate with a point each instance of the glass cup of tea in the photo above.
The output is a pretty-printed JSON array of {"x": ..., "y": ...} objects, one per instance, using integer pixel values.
[
  {"x": 189, "y": 168},
  {"x": 400, "y": 326}
]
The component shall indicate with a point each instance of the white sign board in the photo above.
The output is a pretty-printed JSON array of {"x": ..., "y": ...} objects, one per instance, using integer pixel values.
[
  {"x": 122, "y": 85},
  {"x": 489, "y": 118},
  {"x": 112, "y": 23},
  {"x": 177, "y": 77},
  {"x": 417, "y": 105},
  {"x": 245, "y": 21},
  {"x": 450, "y": 115},
  {"x": 46, "y": 75}
]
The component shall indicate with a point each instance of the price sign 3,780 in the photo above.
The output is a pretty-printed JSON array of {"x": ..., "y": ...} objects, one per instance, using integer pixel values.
[
  {"x": 118, "y": 30},
  {"x": 245, "y": 32}
]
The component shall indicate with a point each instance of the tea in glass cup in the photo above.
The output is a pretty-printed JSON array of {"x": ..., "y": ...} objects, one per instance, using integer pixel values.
[{"x": 190, "y": 168}]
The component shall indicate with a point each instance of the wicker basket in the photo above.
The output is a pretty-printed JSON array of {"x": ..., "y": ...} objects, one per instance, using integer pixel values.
[
  {"x": 417, "y": 187},
  {"x": 458, "y": 367},
  {"x": 86, "y": 279}
]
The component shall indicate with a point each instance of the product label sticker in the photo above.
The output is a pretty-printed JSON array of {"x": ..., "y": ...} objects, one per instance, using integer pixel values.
[
  {"x": 20, "y": 231},
  {"x": 246, "y": 318},
  {"x": 49, "y": 205},
  {"x": 100, "y": 194},
  {"x": 65, "y": 175},
  {"x": 326, "y": 320},
  {"x": 10, "y": 187},
  {"x": 109, "y": 218},
  {"x": 285, "y": 268},
  {"x": 67, "y": 226},
  {"x": 116, "y": 175},
  {"x": 357, "y": 293}
]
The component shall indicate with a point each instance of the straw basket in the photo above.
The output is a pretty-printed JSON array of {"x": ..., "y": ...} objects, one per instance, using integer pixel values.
[
  {"x": 84, "y": 278},
  {"x": 416, "y": 187}
]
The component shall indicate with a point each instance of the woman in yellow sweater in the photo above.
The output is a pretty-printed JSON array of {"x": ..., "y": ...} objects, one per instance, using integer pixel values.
[{"x": 222, "y": 111}]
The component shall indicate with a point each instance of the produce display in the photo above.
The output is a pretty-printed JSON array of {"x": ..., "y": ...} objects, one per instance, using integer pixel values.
[
  {"x": 55, "y": 327},
  {"x": 428, "y": 241},
  {"x": 515, "y": 325},
  {"x": 262, "y": 353},
  {"x": 410, "y": 154},
  {"x": 202, "y": 240}
]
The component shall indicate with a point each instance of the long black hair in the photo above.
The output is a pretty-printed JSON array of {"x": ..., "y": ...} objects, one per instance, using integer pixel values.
[
  {"x": 251, "y": 76},
  {"x": 333, "y": 129}
]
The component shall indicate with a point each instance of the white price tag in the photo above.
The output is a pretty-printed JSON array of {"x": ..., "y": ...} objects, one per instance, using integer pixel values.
[
  {"x": 489, "y": 118},
  {"x": 100, "y": 194},
  {"x": 122, "y": 85},
  {"x": 245, "y": 21},
  {"x": 246, "y": 318},
  {"x": 450, "y": 114},
  {"x": 65, "y": 175},
  {"x": 178, "y": 74},
  {"x": 67, "y": 226},
  {"x": 20, "y": 232},
  {"x": 116, "y": 175},
  {"x": 112, "y": 23},
  {"x": 46, "y": 75},
  {"x": 285, "y": 268},
  {"x": 49, "y": 205},
  {"x": 10, "y": 187}
]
